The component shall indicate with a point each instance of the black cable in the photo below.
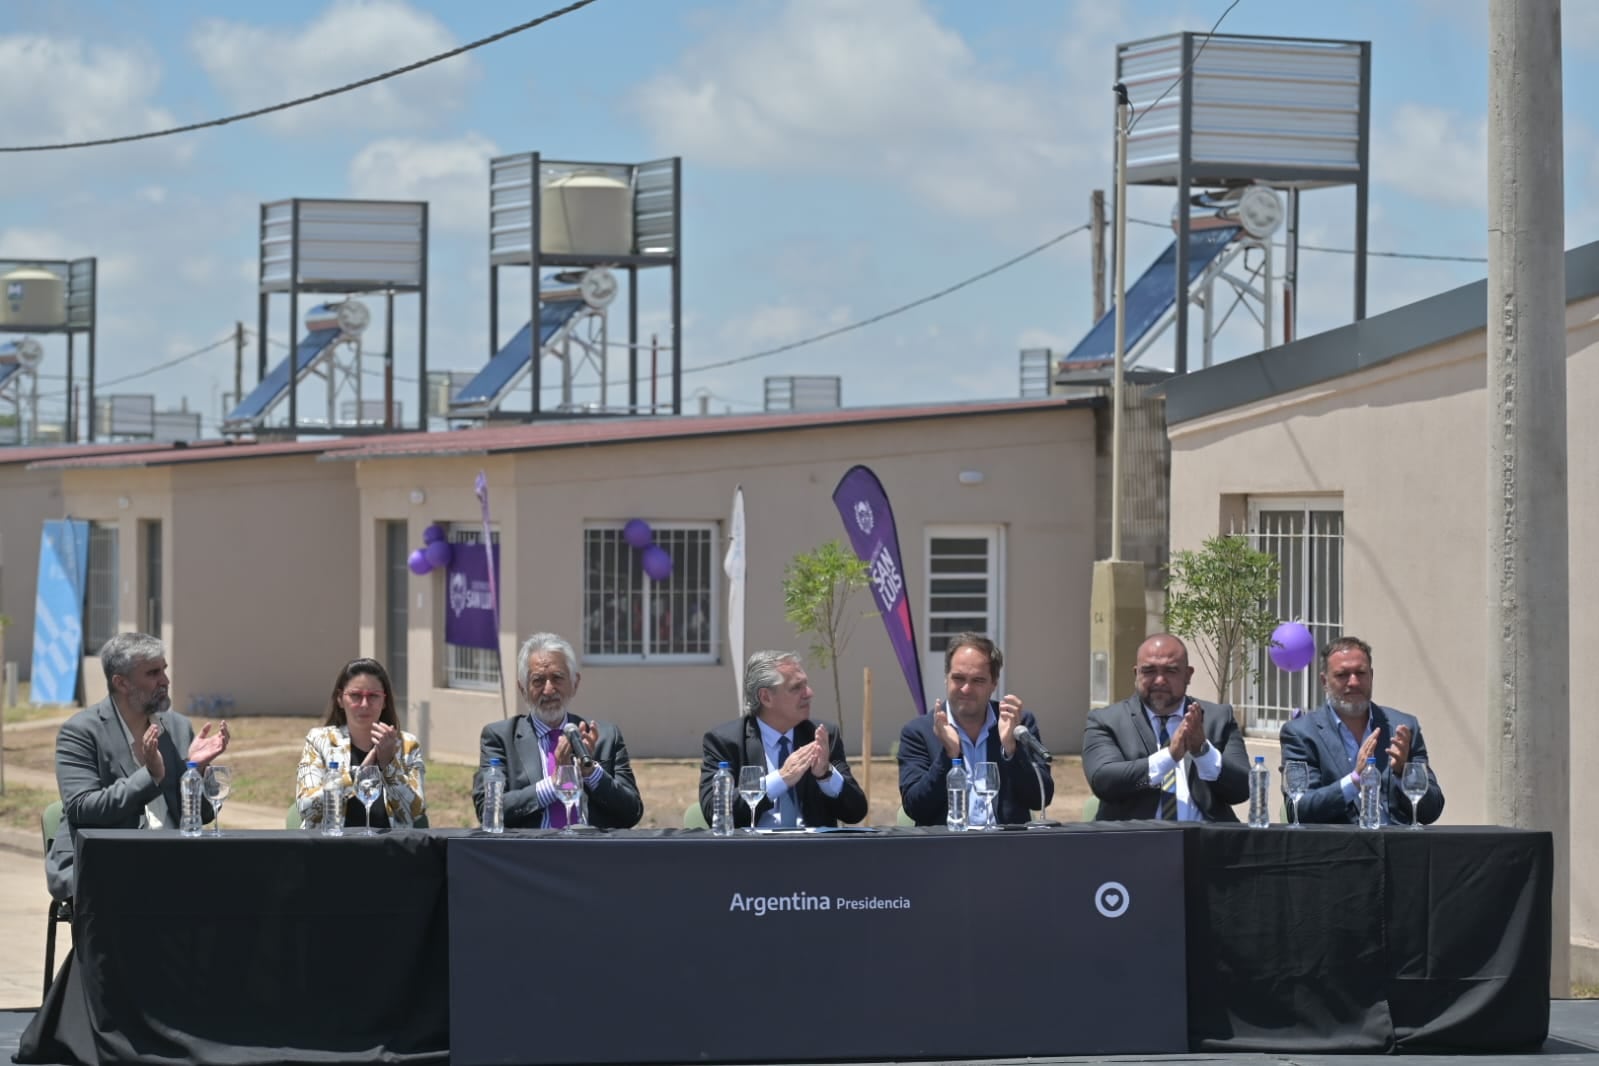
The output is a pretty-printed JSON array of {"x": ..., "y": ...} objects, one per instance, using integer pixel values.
[
  {"x": 901, "y": 309},
  {"x": 1179, "y": 80},
  {"x": 1426, "y": 256},
  {"x": 326, "y": 93}
]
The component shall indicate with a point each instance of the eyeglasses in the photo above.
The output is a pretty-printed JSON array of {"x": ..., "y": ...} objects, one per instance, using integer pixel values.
[
  {"x": 360, "y": 697},
  {"x": 537, "y": 682}
]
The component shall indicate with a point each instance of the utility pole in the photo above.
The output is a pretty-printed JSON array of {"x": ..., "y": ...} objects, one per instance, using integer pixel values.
[
  {"x": 1096, "y": 246},
  {"x": 238, "y": 363},
  {"x": 1529, "y": 638}
]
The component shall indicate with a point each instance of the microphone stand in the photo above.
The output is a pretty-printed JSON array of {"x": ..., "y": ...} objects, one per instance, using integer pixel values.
[{"x": 1039, "y": 821}]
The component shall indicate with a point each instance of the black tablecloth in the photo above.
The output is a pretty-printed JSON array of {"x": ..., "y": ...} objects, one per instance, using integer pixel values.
[
  {"x": 1332, "y": 938},
  {"x": 291, "y": 947},
  {"x": 252, "y": 948}
]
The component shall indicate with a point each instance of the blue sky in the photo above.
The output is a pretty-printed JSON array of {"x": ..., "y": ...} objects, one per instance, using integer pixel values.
[{"x": 840, "y": 157}]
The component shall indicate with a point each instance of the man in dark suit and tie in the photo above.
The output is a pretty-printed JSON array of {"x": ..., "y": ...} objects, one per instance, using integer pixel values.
[
  {"x": 808, "y": 782},
  {"x": 118, "y": 763},
  {"x": 1337, "y": 738},
  {"x": 970, "y": 725},
  {"x": 532, "y": 746},
  {"x": 1160, "y": 754}
]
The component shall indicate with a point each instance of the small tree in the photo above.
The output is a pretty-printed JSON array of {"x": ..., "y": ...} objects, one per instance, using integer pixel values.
[
  {"x": 817, "y": 587},
  {"x": 1222, "y": 595}
]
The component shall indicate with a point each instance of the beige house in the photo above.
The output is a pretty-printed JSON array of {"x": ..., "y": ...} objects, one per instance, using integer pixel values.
[
  {"x": 993, "y": 502},
  {"x": 266, "y": 566},
  {"x": 1359, "y": 457},
  {"x": 240, "y": 557}
]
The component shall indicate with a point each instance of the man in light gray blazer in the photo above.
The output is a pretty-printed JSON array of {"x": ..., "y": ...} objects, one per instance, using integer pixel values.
[
  {"x": 118, "y": 763},
  {"x": 1336, "y": 739},
  {"x": 1162, "y": 754}
]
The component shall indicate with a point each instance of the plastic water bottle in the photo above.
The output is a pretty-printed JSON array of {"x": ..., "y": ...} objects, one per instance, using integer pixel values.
[
  {"x": 722, "y": 801},
  {"x": 494, "y": 797},
  {"x": 1259, "y": 794},
  {"x": 333, "y": 800},
  {"x": 955, "y": 781},
  {"x": 1370, "y": 796},
  {"x": 191, "y": 791}
]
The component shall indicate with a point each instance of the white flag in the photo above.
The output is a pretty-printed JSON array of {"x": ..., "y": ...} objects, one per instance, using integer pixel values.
[{"x": 733, "y": 567}]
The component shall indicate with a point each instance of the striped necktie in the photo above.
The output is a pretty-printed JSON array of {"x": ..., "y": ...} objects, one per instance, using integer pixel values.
[{"x": 1168, "y": 784}]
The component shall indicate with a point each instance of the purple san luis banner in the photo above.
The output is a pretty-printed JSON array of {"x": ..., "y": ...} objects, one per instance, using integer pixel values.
[
  {"x": 869, "y": 520},
  {"x": 469, "y": 614}
]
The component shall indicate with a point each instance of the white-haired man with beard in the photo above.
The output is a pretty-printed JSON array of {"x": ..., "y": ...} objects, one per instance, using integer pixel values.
[
  {"x": 531, "y": 746},
  {"x": 118, "y": 763},
  {"x": 1337, "y": 738}
]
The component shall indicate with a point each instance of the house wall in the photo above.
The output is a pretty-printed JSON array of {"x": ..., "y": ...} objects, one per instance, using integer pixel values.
[
  {"x": 1404, "y": 445},
  {"x": 1038, "y": 485},
  {"x": 27, "y": 499}
]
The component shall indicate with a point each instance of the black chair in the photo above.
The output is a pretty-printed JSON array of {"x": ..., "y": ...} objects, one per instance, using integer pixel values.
[{"x": 60, "y": 909}]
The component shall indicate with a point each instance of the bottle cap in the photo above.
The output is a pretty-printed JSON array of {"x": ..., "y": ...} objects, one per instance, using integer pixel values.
[
  {"x": 494, "y": 762},
  {"x": 194, "y": 766},
  {"x": 333, "y": 764},
  {"x": 1371, "y": 760},
  {"x": 1259, "y": 760},
  {"x": 722, "y": 765}
]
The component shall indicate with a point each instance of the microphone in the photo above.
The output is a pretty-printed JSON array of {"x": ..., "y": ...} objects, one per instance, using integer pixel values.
[
  {"x": 574, "y": 737},
  {"x": 1025, "y": 738}
]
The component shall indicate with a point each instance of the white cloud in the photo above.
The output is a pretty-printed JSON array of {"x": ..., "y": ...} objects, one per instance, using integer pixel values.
[
  {"x": 255, "y": 66},
  {"x": 1435, "y": 155},
  {"x": 451, "y": 175},
  {"x": 58, "y": 90},
  {"x": 881, "y": 89}
]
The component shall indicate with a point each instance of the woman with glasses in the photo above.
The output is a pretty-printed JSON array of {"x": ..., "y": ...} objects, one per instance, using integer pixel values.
[{"x": 362, "y": 729}]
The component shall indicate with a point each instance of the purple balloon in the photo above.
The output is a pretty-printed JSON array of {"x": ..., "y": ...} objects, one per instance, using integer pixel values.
[
  {"x": 439, "y": 553},
  {"x": 637, "y": 533},
  {"x": 419, "y": 562},
  {"x": 433, "y": 533},
  {"x": 1293, "y": 647},
  {"x": 657, "y": 563}
]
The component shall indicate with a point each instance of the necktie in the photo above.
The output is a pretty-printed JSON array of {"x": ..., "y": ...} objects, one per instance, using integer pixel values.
[
  {"x": 555, "y": 813},
  {"x": 787, "y": 804},
  {"x": 1168, "y": 784}
]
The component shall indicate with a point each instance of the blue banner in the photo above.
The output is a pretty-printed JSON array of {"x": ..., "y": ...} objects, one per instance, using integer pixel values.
[
  {"x": 471, "y": 615},
  {"x": 58, "y": 610}
]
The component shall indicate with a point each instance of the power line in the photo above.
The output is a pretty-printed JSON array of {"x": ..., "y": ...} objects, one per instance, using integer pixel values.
[
  {"x": 1179, "y": 79},
  {"x": 901, "y": 309},
  {"x": 314, "y": 97},
  {"x": 147, "y": 371},
  {"x": 1425, "y": 256}
]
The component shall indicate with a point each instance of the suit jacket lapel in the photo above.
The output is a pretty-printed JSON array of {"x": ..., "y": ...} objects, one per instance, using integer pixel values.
[
  {"x": 116, "y": 742},
  {"x": 1146, "y": 735},
  {"x": 1332, "y": 740},
  {"x": 529, "y": 752}
]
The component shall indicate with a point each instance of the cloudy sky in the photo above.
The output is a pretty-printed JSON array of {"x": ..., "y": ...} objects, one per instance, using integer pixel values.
[{"x": 841, "y": 157}]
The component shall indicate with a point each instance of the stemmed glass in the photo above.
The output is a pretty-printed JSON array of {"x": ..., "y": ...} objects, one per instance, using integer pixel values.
[
  {"x": 1414, "y": 782},
  {"x": 368, "y": 787},
  {"x": 752, "y": 787},
  {"x": 570, "y": 788},
  {"x": 1296, "y": 779},
  {"x": 985, "y": 784},
  {"x": 218, "y": 783}
]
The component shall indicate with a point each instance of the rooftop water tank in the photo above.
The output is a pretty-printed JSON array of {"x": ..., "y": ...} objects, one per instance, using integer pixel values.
[
  {"x": 33, "y": 297},
  {"x": 585, "y": 213}
]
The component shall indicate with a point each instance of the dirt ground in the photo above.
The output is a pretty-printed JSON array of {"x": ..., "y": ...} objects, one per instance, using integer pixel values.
[{"x": 264, "y": 752}]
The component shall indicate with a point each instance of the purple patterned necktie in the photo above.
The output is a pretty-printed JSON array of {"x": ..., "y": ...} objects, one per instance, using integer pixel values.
[{"x": 555, "y": 813}]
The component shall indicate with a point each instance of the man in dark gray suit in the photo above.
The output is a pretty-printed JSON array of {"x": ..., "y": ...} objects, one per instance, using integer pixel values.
[
  {"x": 1337, "y": 738},
  {"x": 1160, "y": 754},
  {"x": 118, "y": 763},
  {"x": 532, "y": 746}
]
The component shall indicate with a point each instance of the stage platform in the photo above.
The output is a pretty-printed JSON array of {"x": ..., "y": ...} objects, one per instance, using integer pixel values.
[{"x": 1573, "y": 1038}]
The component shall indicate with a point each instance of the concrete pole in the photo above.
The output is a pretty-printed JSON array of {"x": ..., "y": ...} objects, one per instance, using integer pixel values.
[
  {"x": 1123, "y": 109},
  {"x": 1529, "y": 730}
]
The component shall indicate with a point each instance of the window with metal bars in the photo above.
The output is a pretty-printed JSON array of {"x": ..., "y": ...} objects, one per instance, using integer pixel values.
[
  {"x": 100, "y": 612},
  {"x": 1306, "y": 537},
  {"x": 627, "y": 617},
  {"x": 474, "y": 668},
  {"x": 964, "y": 578}
]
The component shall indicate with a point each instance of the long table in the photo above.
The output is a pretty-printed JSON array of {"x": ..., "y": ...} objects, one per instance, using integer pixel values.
[{"x": 431, "y": 946}]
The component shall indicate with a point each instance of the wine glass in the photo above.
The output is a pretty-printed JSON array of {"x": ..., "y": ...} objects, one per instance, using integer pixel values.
[
  {"x": 217, "y": 784},
  {"x": 985, "y": 785},
  {"x": 1414, "y": 782},
  {"x": 570, "y": 788},
  {"x": 368, "y": 787},
  {"x": 751, "y": 787},
  {"x": 1296, "y": 779}
]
